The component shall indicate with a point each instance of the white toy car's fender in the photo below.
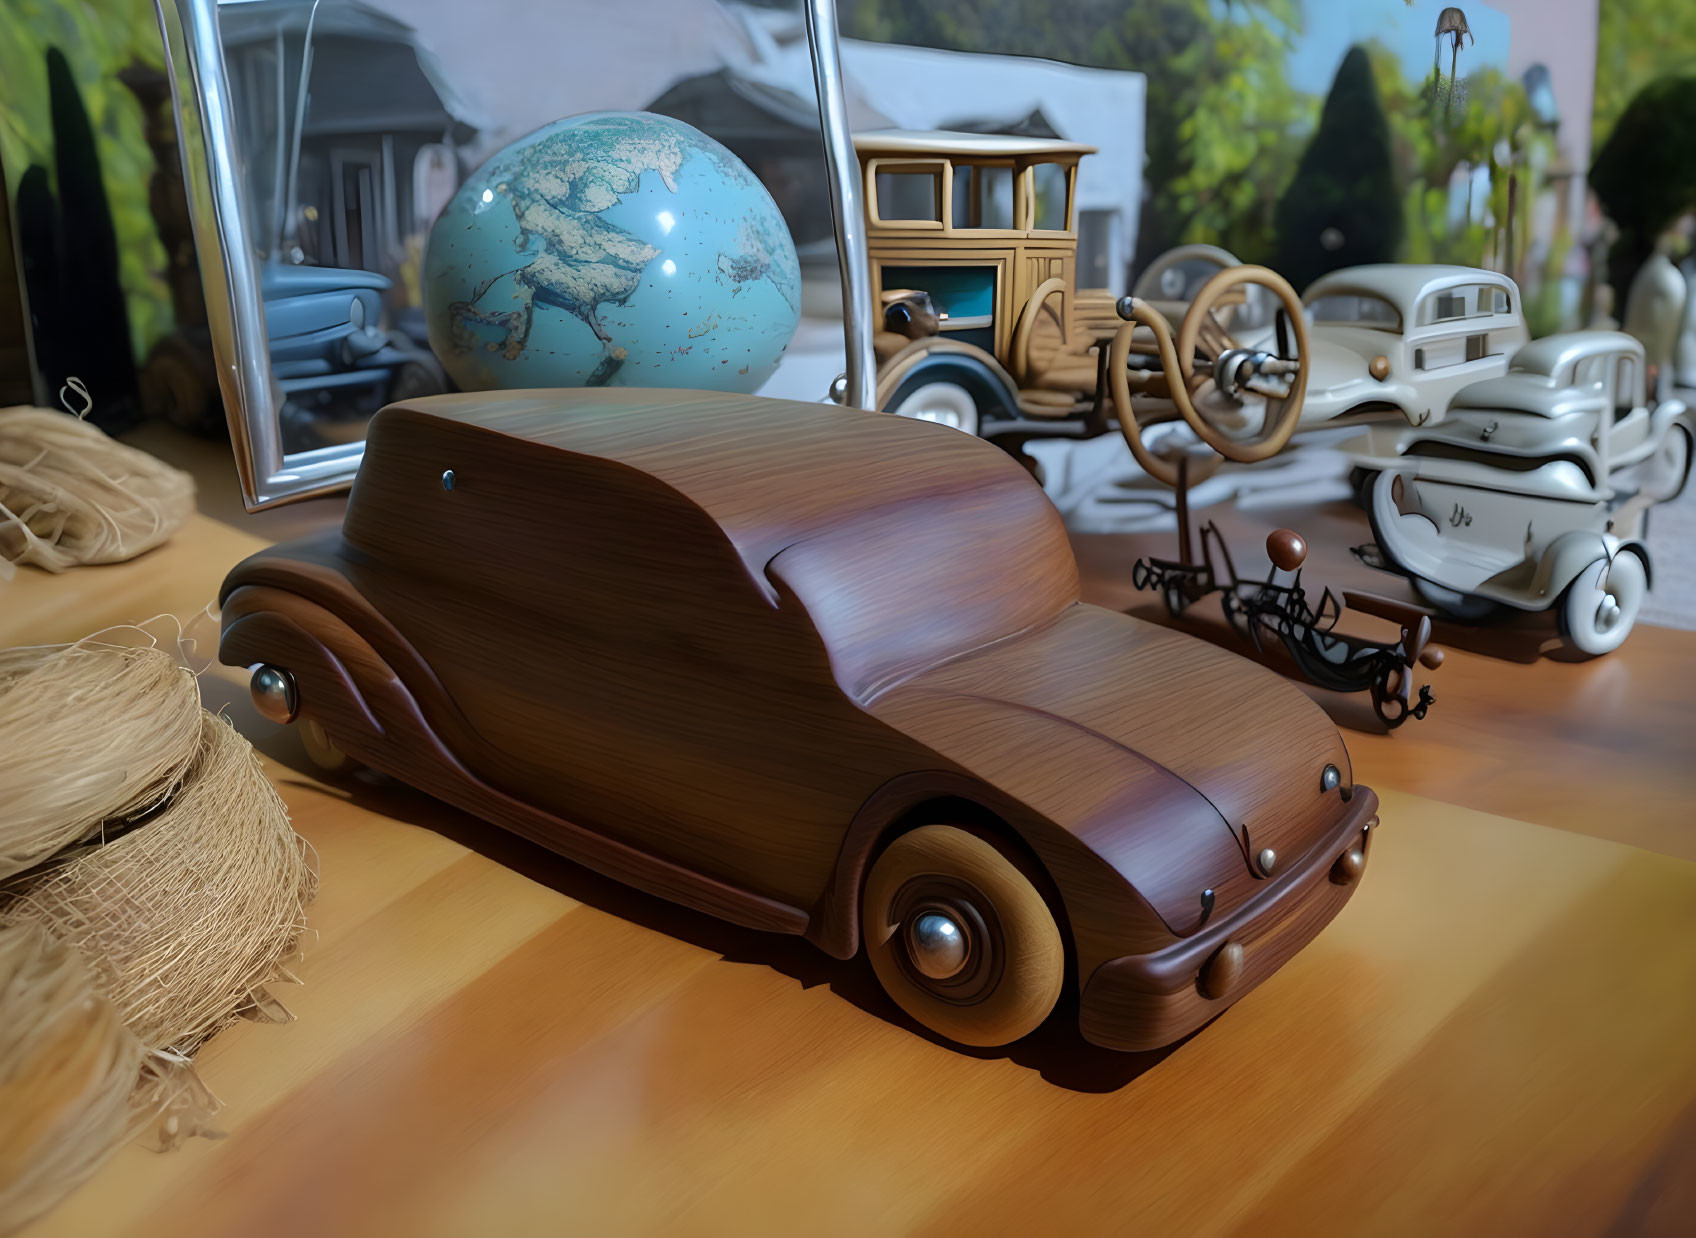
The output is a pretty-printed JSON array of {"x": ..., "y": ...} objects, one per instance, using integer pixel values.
[{"x": 1571, "y": 553}]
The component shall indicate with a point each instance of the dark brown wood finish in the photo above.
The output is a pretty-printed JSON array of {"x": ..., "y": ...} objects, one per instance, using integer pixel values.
[{"x": 723, "y": 648}]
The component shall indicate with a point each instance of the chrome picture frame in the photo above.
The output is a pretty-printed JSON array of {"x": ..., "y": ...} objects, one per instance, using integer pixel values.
[{"x": 212, "y": 175}]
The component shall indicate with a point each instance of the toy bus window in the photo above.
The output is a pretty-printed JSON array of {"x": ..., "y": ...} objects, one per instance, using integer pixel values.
[
  {"x": 1356, "y": 310},
  {"x": 1591, "y": 372},
  {"x": 1048, "y": 198},
  {"x": 911, "y": 194},
  {"x": 983, "y": 195},
  {"x": 964, "y": 295},
  {"x": 1477, "y": 347},
  {"x": 1444, "y": 306},
  {"x": 1500, "y": 302}
]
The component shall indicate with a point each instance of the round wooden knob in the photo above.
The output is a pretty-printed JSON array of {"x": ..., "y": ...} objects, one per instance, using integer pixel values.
[
  {"x": 1431, "y": 659},
  {"x": 1287, "y": 550}
]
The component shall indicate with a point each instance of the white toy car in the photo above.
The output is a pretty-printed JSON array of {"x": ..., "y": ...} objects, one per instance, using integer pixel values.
[
  {"x": 1388, "y": 345},
  {"x": 1532, "y": 492},
  {"x": 1393, "y": 344}
]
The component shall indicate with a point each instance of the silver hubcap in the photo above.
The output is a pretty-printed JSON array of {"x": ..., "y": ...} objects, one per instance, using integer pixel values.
[
  {"x": 946, "y": 404},
  {"x": 274, "y": 694},
  {"x": 937, "y": 944},
  {"x": 1607, "y": 614}
]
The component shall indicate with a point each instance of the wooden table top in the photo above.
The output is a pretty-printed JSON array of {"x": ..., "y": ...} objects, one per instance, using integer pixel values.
[{"x": 1497, "y": 1036}]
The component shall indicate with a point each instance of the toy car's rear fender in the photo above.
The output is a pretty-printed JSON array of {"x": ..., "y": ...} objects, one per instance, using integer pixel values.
[
  {"x": 1571, "y": 553},
  {"x": 349, "y": 684}
]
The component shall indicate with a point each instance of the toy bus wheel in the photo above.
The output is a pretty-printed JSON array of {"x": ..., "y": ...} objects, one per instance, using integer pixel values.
[
  {"x": 1360, "y": 486},
  {"x": 1599, "y": 608},
  {"x": 320, "y": 748},
  {"x": 1466, "y": 607},
  {"x": 960, "y": 938},
  {"x": 947, "y": 404}
]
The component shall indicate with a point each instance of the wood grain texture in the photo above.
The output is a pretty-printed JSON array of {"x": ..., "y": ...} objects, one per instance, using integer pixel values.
[{"x": 1493, "y": 1037}]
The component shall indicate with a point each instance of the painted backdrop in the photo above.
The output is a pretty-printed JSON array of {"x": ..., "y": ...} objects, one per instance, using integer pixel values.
[{"x": 1312, "y": 134}]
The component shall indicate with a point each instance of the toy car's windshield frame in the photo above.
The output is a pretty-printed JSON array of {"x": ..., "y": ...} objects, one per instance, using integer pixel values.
[
  {"x": 891, "y": 177},
  {"x": 1316, "y": 310}
]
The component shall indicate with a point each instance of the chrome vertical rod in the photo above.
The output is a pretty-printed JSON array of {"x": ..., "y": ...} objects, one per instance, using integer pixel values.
[{"x": 843, "y": 176}]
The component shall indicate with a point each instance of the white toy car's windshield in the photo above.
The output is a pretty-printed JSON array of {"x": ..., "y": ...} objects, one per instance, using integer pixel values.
[{"x": 1356, "y": 310}]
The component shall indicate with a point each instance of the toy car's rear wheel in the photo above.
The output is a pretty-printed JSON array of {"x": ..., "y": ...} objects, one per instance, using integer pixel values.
[
  {"x": 1599, "y": 608},
  {"x": 320, "y": 748},
  {"x": 960, "y": 938}
]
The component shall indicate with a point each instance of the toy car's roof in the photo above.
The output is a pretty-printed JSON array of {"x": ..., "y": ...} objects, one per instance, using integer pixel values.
[
  {"x": 949, "y": 143},
  {"x": 1402, "y": 283},
  {"x": 1538, "y": 380},
  {"x": 770, "y": 472}
]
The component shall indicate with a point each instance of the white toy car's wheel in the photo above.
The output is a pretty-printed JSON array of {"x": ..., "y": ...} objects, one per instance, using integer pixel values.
[
  {"x": 1665, "y": 472},
  {"x": 947, "y": 404},
  {"x": 1599, "y": 608}
]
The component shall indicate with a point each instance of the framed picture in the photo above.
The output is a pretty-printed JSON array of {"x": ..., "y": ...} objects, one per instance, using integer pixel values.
[{"x": 319, "y": 141}]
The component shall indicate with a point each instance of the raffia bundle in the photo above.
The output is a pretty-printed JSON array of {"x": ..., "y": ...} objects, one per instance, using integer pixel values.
[
  {"x": 181, "y": 894},
  {"x": 70, "y": 494},
  {"x": 68, "y": 1071},
  {"x": 184, "y": 918},
  {"x": 89, "y": 734}
]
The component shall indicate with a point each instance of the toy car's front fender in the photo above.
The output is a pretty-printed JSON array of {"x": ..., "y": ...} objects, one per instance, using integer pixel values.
[{"x": 1143, "y": 1001}]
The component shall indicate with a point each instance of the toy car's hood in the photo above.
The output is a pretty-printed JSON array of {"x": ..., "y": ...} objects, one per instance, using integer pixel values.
[
  {"x": 1174, "y": 761},
  {"x": 1338, "y": 379},
  {"x": 1520, "y": 392},
  {"x": 1507, "y": 432}
]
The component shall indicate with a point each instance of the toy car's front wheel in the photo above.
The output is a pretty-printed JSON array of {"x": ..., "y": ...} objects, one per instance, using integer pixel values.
[
  {"x": 947, "y": 404},
  {"x": 960, "y": 937}
]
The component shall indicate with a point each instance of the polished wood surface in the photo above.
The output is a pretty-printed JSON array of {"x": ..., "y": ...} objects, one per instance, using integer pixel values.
[{"x": 1493, "y": 1038}]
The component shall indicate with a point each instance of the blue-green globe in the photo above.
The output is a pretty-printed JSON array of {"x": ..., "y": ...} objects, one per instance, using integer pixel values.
[{"x": 612, "y": 249}]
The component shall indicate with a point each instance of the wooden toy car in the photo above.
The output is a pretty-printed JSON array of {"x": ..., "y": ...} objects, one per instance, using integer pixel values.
[
  {"x": 815, "y": 671},
  {"x": 1532, "y": 493}
]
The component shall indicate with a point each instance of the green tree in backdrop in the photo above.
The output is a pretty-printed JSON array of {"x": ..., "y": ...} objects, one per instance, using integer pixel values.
[
  {"x": 99, "y": 38},
  {"x": 1645, "y": 174},
  {"x": 1342, "y": 208},
  {"x": 1637, "y": 41}
]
